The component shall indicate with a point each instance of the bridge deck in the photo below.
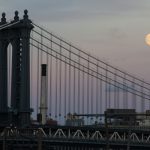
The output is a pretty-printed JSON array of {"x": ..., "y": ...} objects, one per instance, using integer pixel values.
[{"x": 60, "y": 137}]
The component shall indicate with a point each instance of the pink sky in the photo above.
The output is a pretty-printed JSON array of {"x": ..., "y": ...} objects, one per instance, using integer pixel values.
[{"x": 113, "y": 30}]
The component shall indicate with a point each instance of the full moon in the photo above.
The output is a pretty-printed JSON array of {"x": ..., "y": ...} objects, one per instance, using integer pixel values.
[{"x": 147, "y": 39}]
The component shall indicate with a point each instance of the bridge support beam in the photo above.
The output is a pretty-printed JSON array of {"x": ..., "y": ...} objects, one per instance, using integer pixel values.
[
  {"x": 3, "y": 81},
  {"x": 17, "y": 33},
  {"x": 3, "y": 74}
]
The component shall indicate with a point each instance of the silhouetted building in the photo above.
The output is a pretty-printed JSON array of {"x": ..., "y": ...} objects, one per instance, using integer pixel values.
[
  {"x": 121, "y": 116},
  {"x": 73, "y": 120}
]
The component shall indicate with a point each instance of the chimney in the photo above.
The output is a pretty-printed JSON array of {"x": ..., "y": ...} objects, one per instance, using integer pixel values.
[{"x": 43, "y": 99}]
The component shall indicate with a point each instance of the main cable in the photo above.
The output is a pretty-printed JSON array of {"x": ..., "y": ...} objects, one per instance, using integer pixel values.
[
  {"x": 128, "y": 88},
  {"x": 90, "y": 56}
]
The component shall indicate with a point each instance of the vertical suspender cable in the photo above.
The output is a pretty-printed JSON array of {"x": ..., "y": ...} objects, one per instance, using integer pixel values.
[
  {"x": 133, "y": 95},
  {"x": 124, "y": 92},
  {"x": 47, "y": 86},
  {"x": 69, "y": 83},
  {"x": 118, "y": 96},
  {"x": 41, "y": 62},
  {"x": 142, "y": 98},
  {"x": 79, "y": 83},
  {"x": 65, "y": 84},
  {"x": 106, "y": 90},
  {"x": 83, "y": 91},
  {"x": 51, "y": 77},
  {"x": 97, "y": 88},
  {"x": 41, "y": 49},
  {"x": 109, "y": 93},
  {"x": 92, "y": 99},
  {"x": 127, "y": 98},
  {"x": 38, "y": 56},
  {"x": 115, "y": 90},
  {"x": 118, "y": 93},
  {"x": 60, "y": 72},
  {"x": 88, "y": 85},
  {"x": 74, "y": 88},
  {"x": 101, "y": 94},
  {"x": 56, "y": 86}
]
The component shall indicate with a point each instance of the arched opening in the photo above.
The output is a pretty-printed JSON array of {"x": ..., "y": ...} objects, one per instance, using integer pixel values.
[{"x": 9, "y": 73}]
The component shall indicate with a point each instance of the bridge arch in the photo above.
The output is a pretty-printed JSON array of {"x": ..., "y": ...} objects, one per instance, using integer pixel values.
[{"x": 9, "y": 69}]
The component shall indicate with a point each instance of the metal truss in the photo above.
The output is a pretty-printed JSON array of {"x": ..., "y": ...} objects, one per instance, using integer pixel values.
[{"x": 98, "y": 136}]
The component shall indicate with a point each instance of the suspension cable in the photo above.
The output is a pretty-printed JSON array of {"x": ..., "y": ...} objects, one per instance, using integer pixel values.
[
  {"x": 105, "y": 70},
  {"x": 91, "y": 56},
  {"x": 8, "y": 25},
  {"x": 110, "y": 82}
]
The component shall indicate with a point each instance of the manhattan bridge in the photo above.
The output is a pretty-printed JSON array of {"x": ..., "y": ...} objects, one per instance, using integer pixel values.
[{"x": 53, "y": 95}]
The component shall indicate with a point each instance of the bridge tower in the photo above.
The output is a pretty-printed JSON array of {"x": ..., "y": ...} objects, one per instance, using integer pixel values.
[{"x": 16, "y": 32}]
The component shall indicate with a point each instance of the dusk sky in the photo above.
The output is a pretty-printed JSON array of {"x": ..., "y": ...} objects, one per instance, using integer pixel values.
[{"x": 113, "y": 30}]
